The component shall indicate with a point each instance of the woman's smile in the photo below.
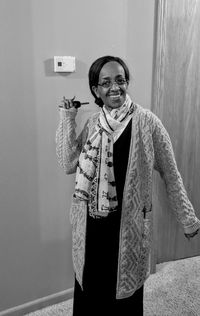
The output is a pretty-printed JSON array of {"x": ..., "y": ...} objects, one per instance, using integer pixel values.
[{"x": 115, "y": 98}]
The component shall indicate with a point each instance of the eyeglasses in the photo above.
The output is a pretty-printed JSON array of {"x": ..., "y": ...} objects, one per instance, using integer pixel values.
[{"x": 108, "y": 83}]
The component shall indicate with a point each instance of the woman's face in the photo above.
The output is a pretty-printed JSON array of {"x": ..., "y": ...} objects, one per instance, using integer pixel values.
[{"x": 113, "y": 95}]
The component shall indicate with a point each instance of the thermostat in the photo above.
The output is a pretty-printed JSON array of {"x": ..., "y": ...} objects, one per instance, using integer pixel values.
[{"x": 64, "y": 64}]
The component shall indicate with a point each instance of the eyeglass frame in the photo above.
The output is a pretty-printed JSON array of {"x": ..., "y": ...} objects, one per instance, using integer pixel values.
[{"x": 112, "y": 82}]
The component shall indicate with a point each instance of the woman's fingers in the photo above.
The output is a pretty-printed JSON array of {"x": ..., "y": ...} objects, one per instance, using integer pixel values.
[{"x": 66, "y": 103}]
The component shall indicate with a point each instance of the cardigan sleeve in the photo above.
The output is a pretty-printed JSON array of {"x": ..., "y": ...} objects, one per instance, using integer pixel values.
[
  {"x": 68, "y": 146},
  {"x": 165, "y": 163}
]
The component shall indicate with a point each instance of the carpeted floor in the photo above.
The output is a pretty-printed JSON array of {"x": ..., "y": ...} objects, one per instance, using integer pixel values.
[{"x": 174, "y": 290}]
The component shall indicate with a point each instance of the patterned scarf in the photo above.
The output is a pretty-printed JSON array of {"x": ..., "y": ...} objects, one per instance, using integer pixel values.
[{"x": 95, "y": 181}]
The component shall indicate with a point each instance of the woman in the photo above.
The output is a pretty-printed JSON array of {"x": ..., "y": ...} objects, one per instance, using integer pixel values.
[{"x": 114, "y": 158}]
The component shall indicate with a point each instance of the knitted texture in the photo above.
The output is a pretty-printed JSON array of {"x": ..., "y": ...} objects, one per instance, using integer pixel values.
[
  {"x": 69, "y": 147},
  {"x": 78, "y": 217},
  {"x": 150, "y": 149}
]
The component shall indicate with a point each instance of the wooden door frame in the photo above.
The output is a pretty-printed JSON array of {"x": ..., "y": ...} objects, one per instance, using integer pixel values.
[{"x": 157, "y": 60}]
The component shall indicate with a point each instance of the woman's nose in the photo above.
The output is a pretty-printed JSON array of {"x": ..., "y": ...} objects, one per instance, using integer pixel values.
[{"x": 114, "y": 86}]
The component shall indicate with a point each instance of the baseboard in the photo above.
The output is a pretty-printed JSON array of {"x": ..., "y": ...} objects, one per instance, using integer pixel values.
[{"x": 39, "y": 303}]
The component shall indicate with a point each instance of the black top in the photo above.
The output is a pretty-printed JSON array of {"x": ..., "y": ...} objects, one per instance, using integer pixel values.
[{"x": 102, "y": 239}]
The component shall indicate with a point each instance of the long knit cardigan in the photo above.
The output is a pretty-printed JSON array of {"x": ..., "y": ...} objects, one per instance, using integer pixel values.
[{"x": 150, "y": 149}]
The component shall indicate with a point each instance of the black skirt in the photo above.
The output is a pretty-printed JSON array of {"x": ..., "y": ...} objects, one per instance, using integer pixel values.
[{"x": 98, "y": 296}]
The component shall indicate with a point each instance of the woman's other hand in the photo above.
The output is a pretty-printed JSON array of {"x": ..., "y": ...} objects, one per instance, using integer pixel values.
[{"x": 188, "y": 236}]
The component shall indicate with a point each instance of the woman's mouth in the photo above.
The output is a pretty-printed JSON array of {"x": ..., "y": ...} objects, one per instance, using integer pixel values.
[{"x": 115, "y": 96}]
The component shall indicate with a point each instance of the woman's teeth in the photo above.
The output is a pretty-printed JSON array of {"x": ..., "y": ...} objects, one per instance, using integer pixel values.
[{"x": 114, "y": 96}]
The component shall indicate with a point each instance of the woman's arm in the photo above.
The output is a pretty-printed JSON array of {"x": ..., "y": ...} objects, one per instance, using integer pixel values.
[
  {"x": 68, "y": 147},
  {"x": 166, "y": 165}
]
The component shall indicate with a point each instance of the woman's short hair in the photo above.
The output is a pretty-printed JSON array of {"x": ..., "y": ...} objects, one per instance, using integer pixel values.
[{"x": 95, "y": 69}]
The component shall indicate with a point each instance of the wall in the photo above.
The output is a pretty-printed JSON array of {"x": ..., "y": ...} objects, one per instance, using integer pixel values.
[{"x": 35, "y": 233}]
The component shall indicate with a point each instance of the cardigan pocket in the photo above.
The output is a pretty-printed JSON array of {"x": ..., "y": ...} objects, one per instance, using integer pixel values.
[
  {"x": 78, "y": 215},
  {"x": 144, "y": 266},
  {"x": 74, "y": 210},
  {"x": 146, "y": 236}
]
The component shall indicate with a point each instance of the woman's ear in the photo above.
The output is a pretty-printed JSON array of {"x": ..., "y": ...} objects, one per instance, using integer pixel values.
[{"x": 95, "y": 89}]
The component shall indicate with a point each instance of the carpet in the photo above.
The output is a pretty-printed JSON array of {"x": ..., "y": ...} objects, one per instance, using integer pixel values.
[{"x": 174, "y": 290}]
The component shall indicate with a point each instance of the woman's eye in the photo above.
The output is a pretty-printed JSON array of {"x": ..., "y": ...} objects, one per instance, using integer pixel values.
[
  {"x": 106, "y": 83},
  {"x": 120, "y": 81}
]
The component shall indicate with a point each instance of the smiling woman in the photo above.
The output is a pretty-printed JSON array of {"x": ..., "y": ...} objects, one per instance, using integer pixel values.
[
  {"x": 109, "y": 77},
  {"x": 114, "y": 157},
  {"x": 112, "y": 85}
]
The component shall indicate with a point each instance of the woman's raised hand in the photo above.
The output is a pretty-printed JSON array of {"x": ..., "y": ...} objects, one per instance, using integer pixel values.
[
  {"x": 66, "y": 103},
  {"x": 71, "y": 103}
]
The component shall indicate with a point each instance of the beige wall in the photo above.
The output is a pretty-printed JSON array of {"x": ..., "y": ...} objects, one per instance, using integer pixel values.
[{"x": 35, "y": 234}]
